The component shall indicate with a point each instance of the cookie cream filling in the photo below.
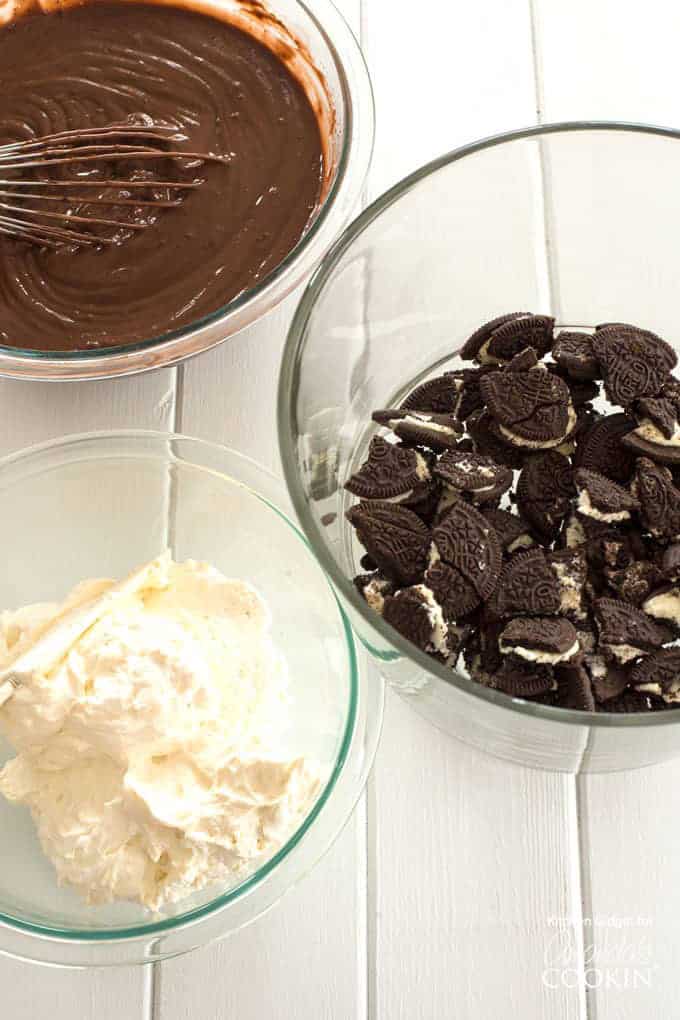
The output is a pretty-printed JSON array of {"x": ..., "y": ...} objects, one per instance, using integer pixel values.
[
  {"x": 624, "y": 653},
  {"x": 423, "y": 421},
  {"x": 374, "y": 593},
  {"x": 649, "y": 431},
  {"x": 440, "y": 631},
  {"x": 571, "y": 593},
  {"x": 664, "y": 605},
  {"x": 586, "y": 507},
  {"x": 539, "y": 655},
  {"x": 575, "y": 533},
  {"x": 671, "y": 697},
  {"x": 521, "y": 542},
  {"x": 536, "y": 444},
  {"x": 483, "y": 356},
  {"x": 150, "y": 752}
]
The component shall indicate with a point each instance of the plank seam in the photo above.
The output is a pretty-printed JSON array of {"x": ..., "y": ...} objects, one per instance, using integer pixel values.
[
  {"x": 370, "y": 841},
  {"x": 179, "y": 399},
  {"x": 545, "y": 172},
  {"x": 585, "y": 882},
  {"x": 579, "y": 872}
]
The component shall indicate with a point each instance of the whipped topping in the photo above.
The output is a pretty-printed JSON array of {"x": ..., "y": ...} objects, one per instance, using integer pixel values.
[{"x": 149, "y": 749}]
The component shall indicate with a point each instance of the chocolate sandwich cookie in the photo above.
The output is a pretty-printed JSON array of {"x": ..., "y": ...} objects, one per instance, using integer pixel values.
[
  {"x": 441, "y": 395},
  {"x": 661, "y": 411},
  {"x": 541, "y": 639},
  {"x": 613, "y": 546},
  {"x": 533, "y": 410},
  {"x": 600, "y": 448},
  {"x": 602, "y": 499},
  {"x": 481, "y": 336},
  {"x": 421, "y": 428},
  {"x": 573, "y": 352},
  {"x": 418, "y": 617},
  {"x": 527, "y": 586},
  {"x": 635, "y": 582},
  {"x": 634, "y": 363},
  {"x": 512, "y": 531},
  {"x": 464, "y": 561},
  {"x": 487, "y": 441},
  {"x": 471, "y": 396},
  {"x": 658, "y": 498},
  {"x": 509, "y": 338},
  {"x": 630, "y": 701},
  {"x": 581, "y": 391},
  {"x": 570, "y": 568},
  {"x": 545, "y": 490},
  {"x": 567, "y": 621},
  {"x": 474, "y": 475},
  {"x": 659, "y": 674},
  {"x": 628, "y": 329},
  {"x": 574, "y": 687},
  {"x": 392, "y": 473},
  {"x": 625, "y": 632},
  {"x": 657, "y": 433},
  {"x": 374, "y": 588},
  {"x": 608, "y": 678},
  {"x": 481, "y": 654},
  {"x": 395, "y": 538},
  {"x": 522, "y": 361},
  {"x": 521, "y": 679}
]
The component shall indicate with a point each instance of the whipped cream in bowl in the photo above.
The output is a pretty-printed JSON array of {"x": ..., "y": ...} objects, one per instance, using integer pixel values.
[{"x": 192, "y": 726}]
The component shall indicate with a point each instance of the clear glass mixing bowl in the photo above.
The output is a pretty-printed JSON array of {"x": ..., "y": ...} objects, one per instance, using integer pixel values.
[
  {"x": 98, "y": 505},
  {"x": 576, "y": 220},
  {"x": 336, "y": 78}
]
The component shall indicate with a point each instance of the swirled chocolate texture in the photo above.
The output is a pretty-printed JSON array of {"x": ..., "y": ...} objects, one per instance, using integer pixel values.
[{"x": 100, "y": 64}]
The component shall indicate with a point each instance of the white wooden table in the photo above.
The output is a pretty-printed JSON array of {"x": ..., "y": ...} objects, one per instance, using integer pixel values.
[{"x": 440, "y": 898}]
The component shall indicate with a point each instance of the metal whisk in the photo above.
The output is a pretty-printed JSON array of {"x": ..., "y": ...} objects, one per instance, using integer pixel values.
[{"x": 40, "y": 206}]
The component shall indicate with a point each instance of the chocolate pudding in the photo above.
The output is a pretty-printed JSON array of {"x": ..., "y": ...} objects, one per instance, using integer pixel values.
[{"x": 227, "y": 94}]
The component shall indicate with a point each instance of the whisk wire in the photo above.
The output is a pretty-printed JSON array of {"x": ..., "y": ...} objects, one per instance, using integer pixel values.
[{"x": 24, "y": 197}]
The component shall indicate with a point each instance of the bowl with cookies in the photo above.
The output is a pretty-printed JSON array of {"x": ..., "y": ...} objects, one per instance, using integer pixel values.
[{"x": 479, "y": 422}]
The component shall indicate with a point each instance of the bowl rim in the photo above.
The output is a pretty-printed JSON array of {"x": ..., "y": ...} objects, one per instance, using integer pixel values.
[
  {"x": 167, "y": 348},
  {"x": 286, "y": 417},
  {"x": 197, "y": 914}
]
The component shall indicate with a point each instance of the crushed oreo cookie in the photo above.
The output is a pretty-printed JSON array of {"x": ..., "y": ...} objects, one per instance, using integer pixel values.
[{"x": 563, "y": 588}]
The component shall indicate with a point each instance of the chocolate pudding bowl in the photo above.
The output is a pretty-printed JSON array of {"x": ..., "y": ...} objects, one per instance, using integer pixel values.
[{"x": 168, "y": 173}]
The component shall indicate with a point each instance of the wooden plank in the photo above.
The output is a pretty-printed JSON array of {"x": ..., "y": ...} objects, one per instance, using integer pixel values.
[
  {"x": 473, "y": 868},
  {"x": 615, "y": 60},
  {"x": 31, "y": 413},
  {"x": 307, "y": 957},
  {"x": 461, "y": 73},
  {"x": 35, "y": 993},
  {"x": 472, "y": 859}
]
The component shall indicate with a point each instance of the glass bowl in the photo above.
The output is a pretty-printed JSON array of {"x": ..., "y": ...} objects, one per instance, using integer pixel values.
[
  {"x": 576, "y": 220},
  {"x": 319, "y": 39},
  {"x": 97, "y": 505}
]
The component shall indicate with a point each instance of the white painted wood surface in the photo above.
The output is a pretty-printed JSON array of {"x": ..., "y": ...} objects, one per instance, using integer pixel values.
[{"x": 437, "y": 901}]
